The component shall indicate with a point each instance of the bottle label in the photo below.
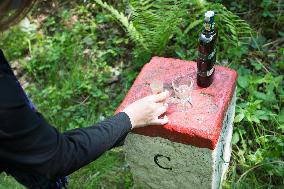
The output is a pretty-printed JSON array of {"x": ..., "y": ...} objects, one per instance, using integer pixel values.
[
  {"x": 210, "y": 72},
  {"x": 206, "y": 73}
]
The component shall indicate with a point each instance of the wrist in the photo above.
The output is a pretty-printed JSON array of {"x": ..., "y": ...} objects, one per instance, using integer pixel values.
[{"x": 130, "y": 118}]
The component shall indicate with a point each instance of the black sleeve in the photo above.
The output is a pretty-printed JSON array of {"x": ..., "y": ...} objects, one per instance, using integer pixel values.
[
  {"x": 81, "y": 146},
  {"x": 40, "y": 148},
  {"x": 29, "y": 143}
]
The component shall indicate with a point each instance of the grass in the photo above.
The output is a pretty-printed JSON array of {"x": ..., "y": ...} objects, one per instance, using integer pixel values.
[
  {"x": 9, "y": 182},
  {"x": 109, "y": 171},
  {"x": 90, "y": 65}
]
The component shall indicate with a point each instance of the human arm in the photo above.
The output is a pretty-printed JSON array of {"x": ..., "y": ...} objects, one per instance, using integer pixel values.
[{"x": 30, "y": 143}]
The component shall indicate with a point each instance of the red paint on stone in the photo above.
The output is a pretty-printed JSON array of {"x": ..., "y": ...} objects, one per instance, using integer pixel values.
[{"x": 201, "y": 125}]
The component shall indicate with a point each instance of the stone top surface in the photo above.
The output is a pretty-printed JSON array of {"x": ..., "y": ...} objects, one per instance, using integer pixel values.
[{"x": 201, "y": 125}]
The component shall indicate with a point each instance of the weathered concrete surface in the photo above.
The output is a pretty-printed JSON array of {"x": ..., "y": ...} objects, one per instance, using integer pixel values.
[{"x": 177, "y": 165}]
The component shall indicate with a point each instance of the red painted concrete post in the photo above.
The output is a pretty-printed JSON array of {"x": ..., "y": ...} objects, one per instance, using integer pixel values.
[{"x": 193, "y": 149}]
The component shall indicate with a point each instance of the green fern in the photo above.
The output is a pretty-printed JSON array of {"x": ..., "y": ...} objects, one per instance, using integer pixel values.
[
  {"x": 231, "y": 28},
  {"x": 157, "y": 21},
  {"x": 151, "y": 24},
  {"x": 126, "y": 23}
]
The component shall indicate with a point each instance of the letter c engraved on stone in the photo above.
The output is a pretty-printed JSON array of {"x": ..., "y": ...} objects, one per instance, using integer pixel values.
[{"x": 156, "y": 160}]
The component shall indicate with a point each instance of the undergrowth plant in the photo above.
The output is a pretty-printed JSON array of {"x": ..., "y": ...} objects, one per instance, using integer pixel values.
[
  {"x": 71, "y": 59},
  {"x": 258, "y": 140},
  {"x": 152, "y": 24}
]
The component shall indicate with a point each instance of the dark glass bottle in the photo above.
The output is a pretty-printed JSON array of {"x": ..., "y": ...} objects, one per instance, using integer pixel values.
[{"x": 206, "y": 52}]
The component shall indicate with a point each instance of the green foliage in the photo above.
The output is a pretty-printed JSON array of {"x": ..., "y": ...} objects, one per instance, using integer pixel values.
[
  {"x": 157, "y": 21},
  {"x": 7, "y": 182},
  {"x": 111, "y": 169},
  {"x": 258, "y": 148},
  {"x": 267, "y": 15},
  {"x": 233, "y": 32},
  {"x": 67, "y": 77},
  {"x": 16, "y": 46},
  {"x": 126, "y": 23},
  {"x": 80, "y": 64},
  {"x": 152, "y": 24},
  {"x": 73, "y": 69}
]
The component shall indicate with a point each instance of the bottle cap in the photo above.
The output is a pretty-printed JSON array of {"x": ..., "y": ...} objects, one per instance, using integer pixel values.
[{"x": 209, "y": 14}]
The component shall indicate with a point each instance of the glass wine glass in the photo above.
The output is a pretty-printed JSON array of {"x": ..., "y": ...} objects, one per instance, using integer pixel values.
[{"x": 183, "y": 86}]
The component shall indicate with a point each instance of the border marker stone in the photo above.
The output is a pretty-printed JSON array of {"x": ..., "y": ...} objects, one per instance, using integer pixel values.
[{"x": 193, "y": 150}]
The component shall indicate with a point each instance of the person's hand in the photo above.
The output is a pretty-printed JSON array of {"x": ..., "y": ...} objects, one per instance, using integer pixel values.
[{"x": 147, "y": 110}]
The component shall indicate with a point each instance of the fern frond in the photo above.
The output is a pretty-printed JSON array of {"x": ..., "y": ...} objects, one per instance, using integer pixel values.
[
  {"x": 232, "y": 25},
  {"x": 153, "y": 23},
  {"x": 232, "y": 30},
  {"x": 157, "y": 20},
  {"x": 126, "y": 23}
]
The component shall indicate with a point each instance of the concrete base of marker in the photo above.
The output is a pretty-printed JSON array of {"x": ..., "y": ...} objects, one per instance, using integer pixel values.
[{"x": 157, "y": 162}]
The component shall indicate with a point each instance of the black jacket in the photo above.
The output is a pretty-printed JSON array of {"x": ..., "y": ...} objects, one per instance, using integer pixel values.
[{"x": 28, "y": 143}]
